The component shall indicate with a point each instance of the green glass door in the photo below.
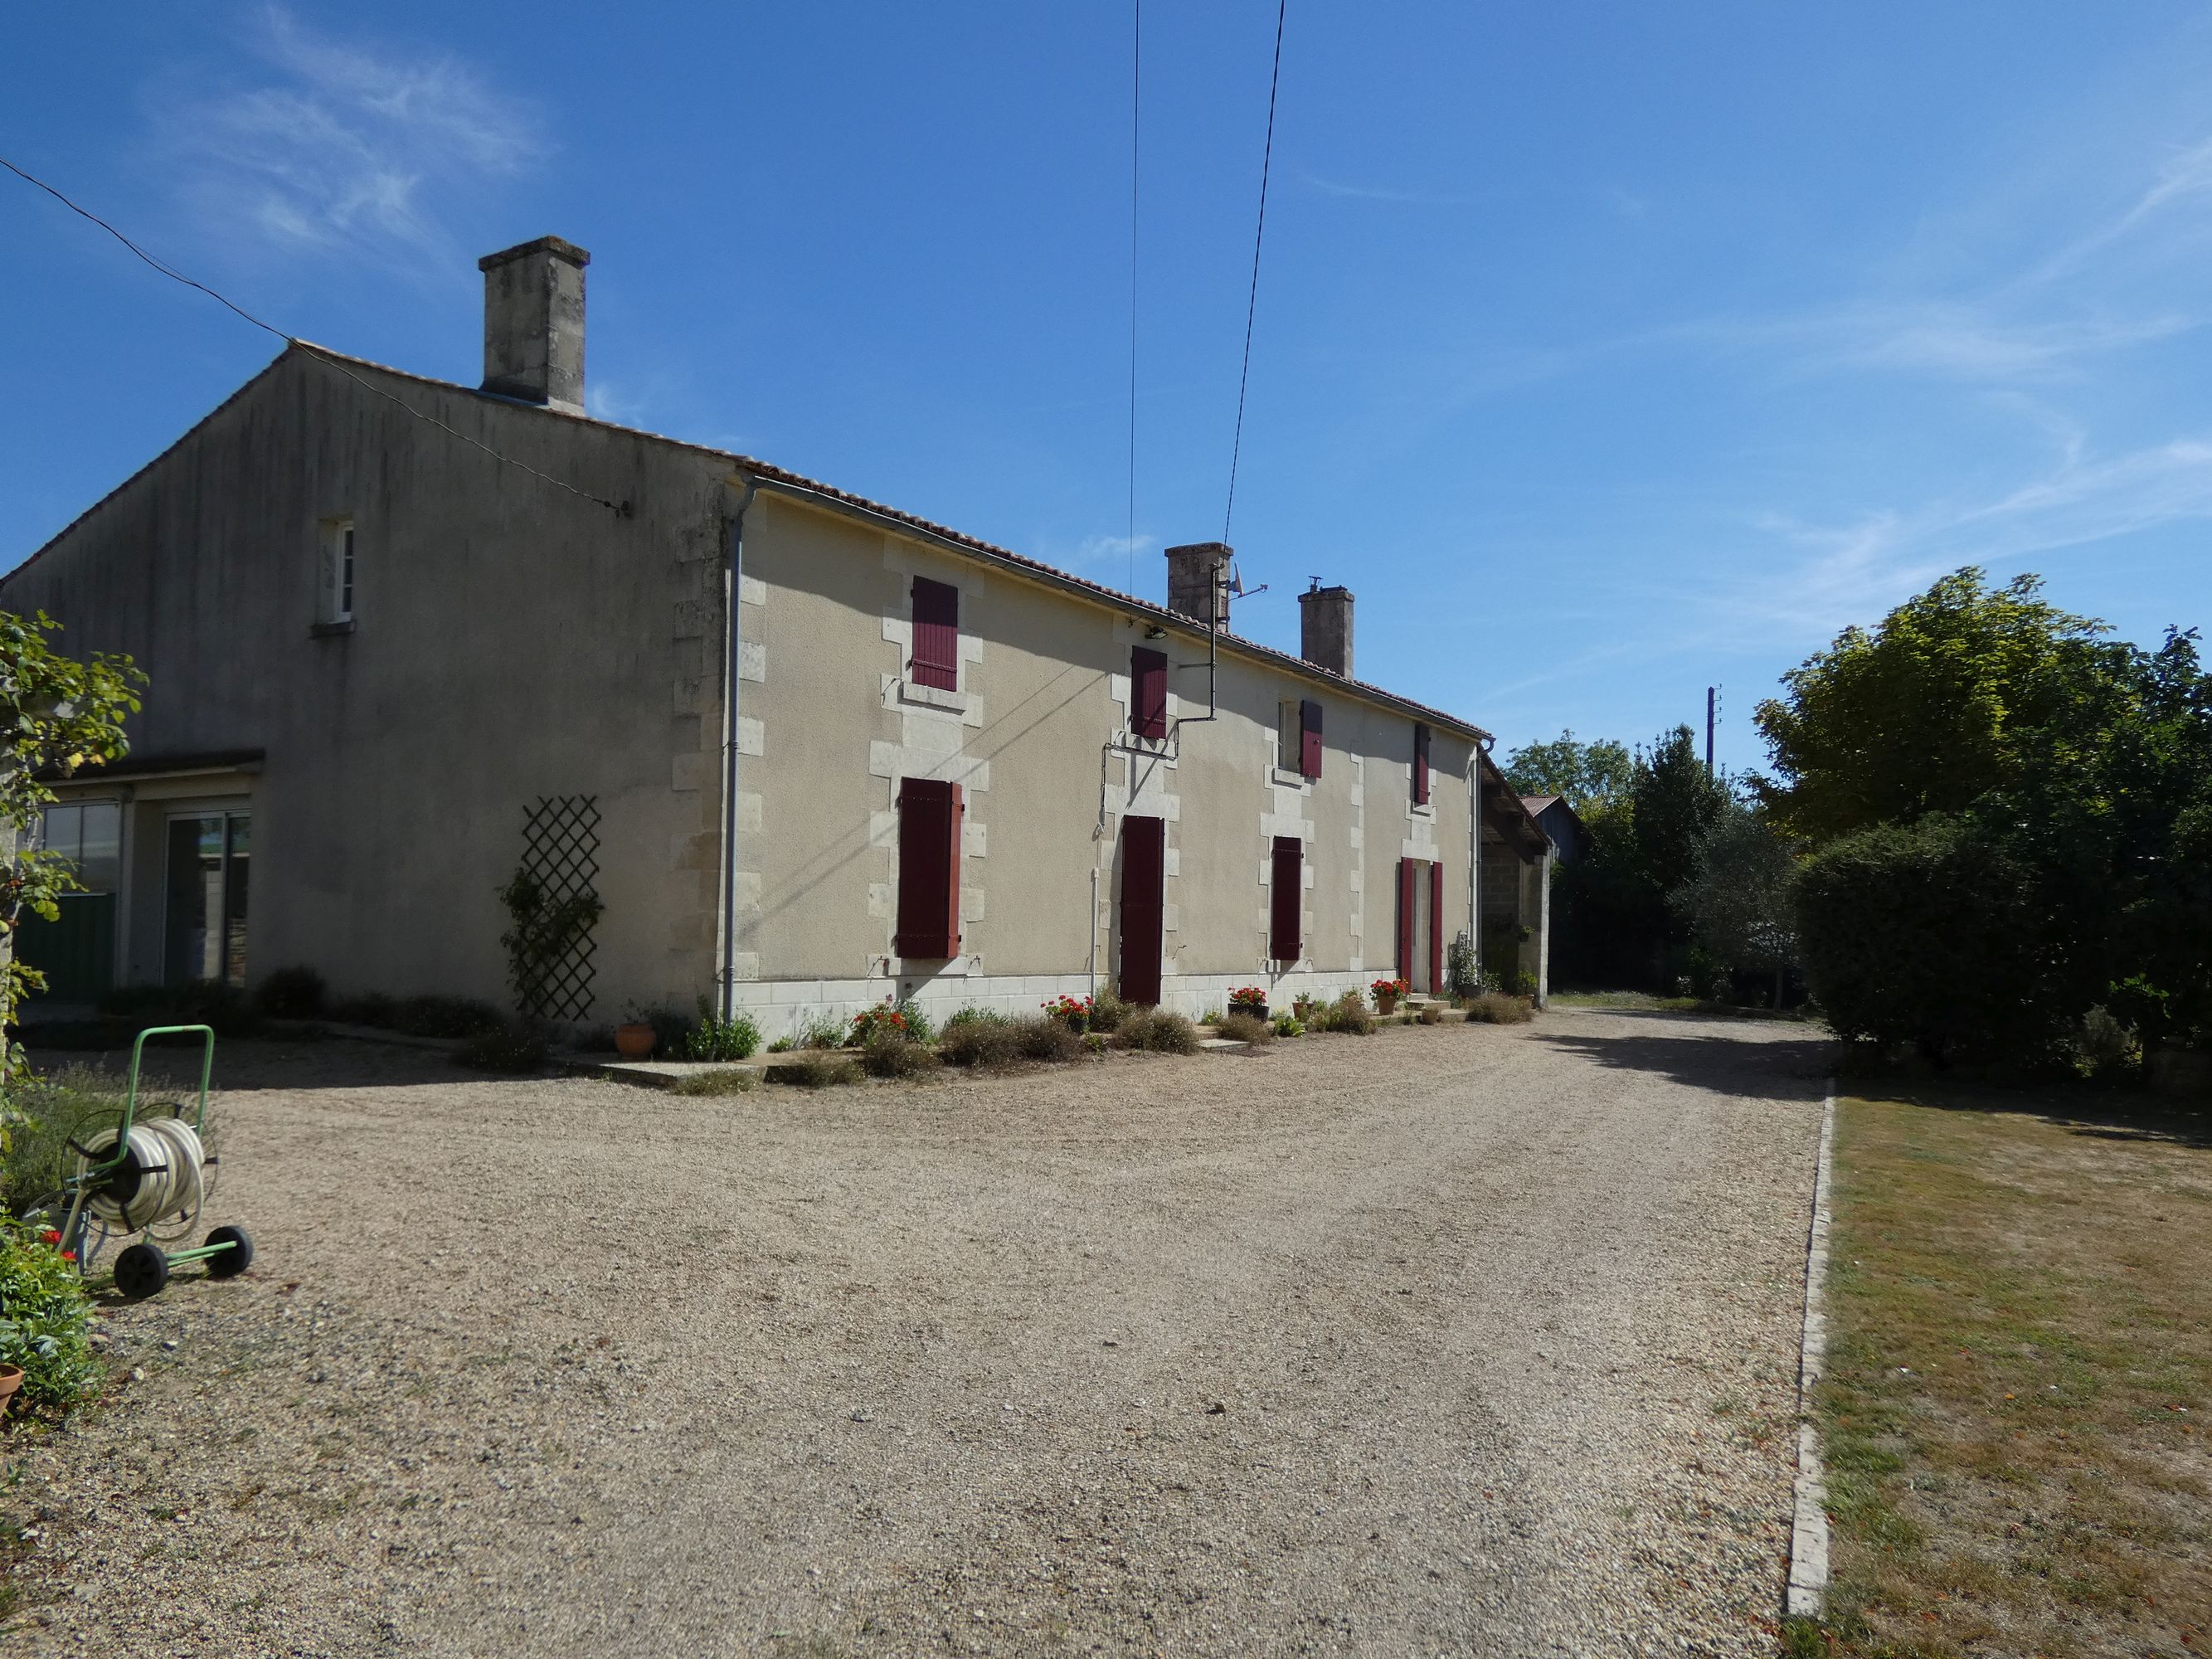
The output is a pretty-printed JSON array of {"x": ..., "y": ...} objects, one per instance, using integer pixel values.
[{"x": 203, "y": 908}]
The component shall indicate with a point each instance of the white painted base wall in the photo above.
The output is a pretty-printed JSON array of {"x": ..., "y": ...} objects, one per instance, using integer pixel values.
[{"x": 780, "y": 1007}]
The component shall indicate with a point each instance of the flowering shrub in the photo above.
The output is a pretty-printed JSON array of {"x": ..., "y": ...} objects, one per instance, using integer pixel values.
[
  {"x": 1074, "y": 1011},
  {"x": 1248, "y": 997},
  {"x": 46, "y": 1318},
  {"x": 885, "y": 1018}
]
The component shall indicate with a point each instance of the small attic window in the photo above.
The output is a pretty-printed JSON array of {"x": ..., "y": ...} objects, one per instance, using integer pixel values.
[{"x": 334, "y": 574}]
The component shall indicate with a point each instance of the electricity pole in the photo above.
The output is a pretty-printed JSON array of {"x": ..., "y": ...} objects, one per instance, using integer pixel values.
[{"x": 1711, "y": 699}]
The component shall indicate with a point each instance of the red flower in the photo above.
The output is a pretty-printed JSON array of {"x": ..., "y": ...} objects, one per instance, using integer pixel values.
[
  {"x": 69, "y": 1256},
  {"x": 50, "y": 1236}
]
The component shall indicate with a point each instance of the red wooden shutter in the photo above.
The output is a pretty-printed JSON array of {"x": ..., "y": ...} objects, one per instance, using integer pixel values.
[
  {"x": 936, "y": 635},
  {"x": 1405, "y": 919},
  {"x": 1309, "y": 738},
  {"x": 1437, "y": 928},
  {"x": 929, "y": 869},
  {"x": 1143, "y": 893},
  {"x": 1286, "y": 895},
  {"x": 1420, "y": 766},
  {"x": 1148, "y": 692}
]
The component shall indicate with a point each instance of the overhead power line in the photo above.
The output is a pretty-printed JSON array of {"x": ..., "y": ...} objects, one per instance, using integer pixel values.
[
  {"x": 307, "y": 346},
  {"x": 1252, "y": 301},
  {"x": 1136, "y": 101}
]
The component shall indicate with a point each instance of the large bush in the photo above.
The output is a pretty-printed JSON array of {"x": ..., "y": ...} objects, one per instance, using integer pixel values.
[
  {"x": 2013, "y": 814},
  {"x": 1926, "y": 934}
]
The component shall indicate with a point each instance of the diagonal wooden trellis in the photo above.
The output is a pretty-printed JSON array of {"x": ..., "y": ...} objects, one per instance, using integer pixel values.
[{"x": 561, "y": 855}]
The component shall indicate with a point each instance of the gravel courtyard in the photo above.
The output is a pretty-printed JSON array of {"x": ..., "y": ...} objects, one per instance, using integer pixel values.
[{"x": 1457, "y": 1340}]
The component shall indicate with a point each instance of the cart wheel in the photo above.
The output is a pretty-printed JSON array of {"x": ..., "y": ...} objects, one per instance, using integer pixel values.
[
  {"x": 235, "y": 1260},
  {"x": 141, "y": 1271}
]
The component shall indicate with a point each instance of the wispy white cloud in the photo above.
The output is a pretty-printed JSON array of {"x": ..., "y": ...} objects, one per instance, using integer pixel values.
[
  {"x": 1395, "y": 195},
  {"x": 343, "y": 146},
  {"x": 2185, "y": 175},
  {"x": 1818, "y": 577}
]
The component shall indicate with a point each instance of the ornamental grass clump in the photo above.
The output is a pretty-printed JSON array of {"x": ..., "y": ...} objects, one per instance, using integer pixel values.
[
  {"x": 46, "y": 1319},
  {"x": 816, "y": 1068},
  {"x": 1347, "y": 1014},
  {"x": 893, "y": 1054},
  {"x": 723, "y": 1080},
  {"x": 1108, "y": 1012},
  {"x": 1049, "y": 1040},
  {"x": 1155, "y": 1030},
  {"x": 976, "y": 1037},
  {"x": 1496, "y": 1008},
  {"x": 1245, "y": 1028}
]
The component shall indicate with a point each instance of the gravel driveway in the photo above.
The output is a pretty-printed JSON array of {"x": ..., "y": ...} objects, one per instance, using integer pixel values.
[{"x": 1457, "y": 1340}]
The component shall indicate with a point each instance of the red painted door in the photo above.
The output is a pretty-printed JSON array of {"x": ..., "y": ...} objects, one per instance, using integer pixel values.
[
  {"x": 1406, "y": 869},
  {"x": 1436, "y": 929},
  {"x": 1144, "y": 901}
]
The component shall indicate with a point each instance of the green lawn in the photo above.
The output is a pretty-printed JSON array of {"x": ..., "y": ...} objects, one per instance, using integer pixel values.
[{"x": 2020, "y": 1361}]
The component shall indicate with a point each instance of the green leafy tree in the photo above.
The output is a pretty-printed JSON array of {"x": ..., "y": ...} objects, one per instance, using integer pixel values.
[
  {"x": 58, "y": 714},
  {"x": 1587, "y": 773},
  {"x": 1615, "y": 923},
  {"x": 2067, "y": 778},
  {"x": 1927, "y": 712},
  {"x": 1738, "y": 903}
]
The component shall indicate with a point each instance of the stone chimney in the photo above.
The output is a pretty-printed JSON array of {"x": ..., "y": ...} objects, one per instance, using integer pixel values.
[
  {"x": 1325, "y": 628},
  {"x": 1198, "y": 582},
  {"x": 534, "y": 323}
]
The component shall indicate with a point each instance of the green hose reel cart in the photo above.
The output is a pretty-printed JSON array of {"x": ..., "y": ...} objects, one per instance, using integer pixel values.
[{"x": 149, "y": 1176}]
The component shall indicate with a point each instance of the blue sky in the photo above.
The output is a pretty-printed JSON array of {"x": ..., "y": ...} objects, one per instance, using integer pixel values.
[{"x": 1604, "y": 351}]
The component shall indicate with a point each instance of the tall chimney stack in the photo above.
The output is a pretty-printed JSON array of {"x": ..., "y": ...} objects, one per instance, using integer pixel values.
[
  {"x": 1198, "y": 582},
  {"x": 534, "y": 323},
  {"x": 1325, "y": 628}
]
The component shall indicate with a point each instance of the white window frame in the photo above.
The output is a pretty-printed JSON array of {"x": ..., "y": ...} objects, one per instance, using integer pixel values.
[{"x": 337, "y": 567}]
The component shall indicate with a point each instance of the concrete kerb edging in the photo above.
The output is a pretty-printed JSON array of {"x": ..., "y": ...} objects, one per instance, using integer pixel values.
[{"x": 1809, "y": 1534}]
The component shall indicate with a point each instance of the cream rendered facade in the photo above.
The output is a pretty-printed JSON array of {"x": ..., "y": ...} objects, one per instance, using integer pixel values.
[
  {"x": 1039, "y": 734},
  {"x": 603, "y": 615}
]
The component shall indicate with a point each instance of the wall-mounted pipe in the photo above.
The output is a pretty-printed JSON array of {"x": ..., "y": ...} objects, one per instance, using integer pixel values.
[{"x": 733, "y": 602}]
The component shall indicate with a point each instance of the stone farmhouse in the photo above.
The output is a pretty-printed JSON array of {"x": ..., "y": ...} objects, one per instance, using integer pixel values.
[{"x": 408, "y": 637}]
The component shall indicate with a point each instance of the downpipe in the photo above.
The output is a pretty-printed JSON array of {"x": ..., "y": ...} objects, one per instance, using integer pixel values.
[{"x": 732, "y": 603}]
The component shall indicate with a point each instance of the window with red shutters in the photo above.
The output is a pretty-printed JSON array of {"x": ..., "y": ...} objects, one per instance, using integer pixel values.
[
  {"x": 1309, "y": 738},
  {"x": 936, "y": 659},
  {"x": 1420, "y": 766},
  {"x": 929, "y": 869},
  {"x": 1286, "y": 895},
  {"x": 1148, "y": 692}
]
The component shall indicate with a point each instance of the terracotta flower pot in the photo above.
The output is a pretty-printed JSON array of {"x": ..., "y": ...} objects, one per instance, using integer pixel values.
[
  {"x": 635, "y": 1040},
  {"x": 12, "y": 1379},
  {"x": 1386, "y": 1004}
]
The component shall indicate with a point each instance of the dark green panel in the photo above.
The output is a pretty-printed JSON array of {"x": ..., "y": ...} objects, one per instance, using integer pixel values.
[{"x": 77, "y": 952}]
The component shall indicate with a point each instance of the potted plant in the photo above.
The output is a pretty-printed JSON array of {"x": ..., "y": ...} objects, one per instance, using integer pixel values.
[
  {"x": 634, "y": 1038},
  {"x": 1302, "y": 1007},
  {"x": 1387, "y": 993},
  {"x": 1249, "y": 999},
  {"x": 1074, "y": 1011},
  {"x": 12, "y": 1379}
]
